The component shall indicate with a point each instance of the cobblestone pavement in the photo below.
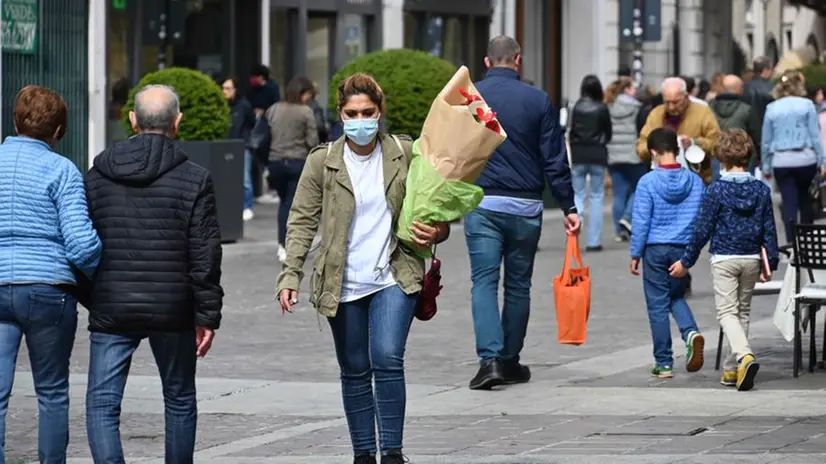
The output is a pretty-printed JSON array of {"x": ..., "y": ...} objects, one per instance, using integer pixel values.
[{"x": 269, "y": 389}]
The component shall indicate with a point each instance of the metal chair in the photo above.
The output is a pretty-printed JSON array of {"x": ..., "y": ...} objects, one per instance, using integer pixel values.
[{"x": 809, "y": 255}]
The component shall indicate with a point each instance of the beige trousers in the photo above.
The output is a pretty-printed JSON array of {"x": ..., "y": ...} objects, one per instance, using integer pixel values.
[{"x": 734, "y": 282}]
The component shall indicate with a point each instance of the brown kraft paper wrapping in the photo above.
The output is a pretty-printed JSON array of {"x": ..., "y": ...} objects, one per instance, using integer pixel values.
[{"x": 454, "y": 143}]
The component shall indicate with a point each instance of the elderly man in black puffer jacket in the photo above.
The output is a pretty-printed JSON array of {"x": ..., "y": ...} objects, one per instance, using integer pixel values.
[{"x": 159, "y": 275}]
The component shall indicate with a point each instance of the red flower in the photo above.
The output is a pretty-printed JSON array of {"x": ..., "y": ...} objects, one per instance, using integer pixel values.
[
  {"x": 489, "y": 119},
  {"x": 469, "y": 98}
]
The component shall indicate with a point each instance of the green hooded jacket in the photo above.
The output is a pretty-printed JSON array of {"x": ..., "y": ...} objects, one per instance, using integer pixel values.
[{"x": 733, "y": 112}]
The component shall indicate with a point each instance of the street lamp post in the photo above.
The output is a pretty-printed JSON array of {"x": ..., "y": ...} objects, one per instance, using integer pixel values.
[
  {"x": 637, "y": 31},
  {"x": 162, "y": 37}
]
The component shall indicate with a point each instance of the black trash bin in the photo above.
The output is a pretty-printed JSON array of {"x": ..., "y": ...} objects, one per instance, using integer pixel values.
[{"x": 225, "y": 161}]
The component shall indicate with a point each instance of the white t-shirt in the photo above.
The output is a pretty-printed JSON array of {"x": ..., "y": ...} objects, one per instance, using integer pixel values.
[{"x": 367, "y": 267}]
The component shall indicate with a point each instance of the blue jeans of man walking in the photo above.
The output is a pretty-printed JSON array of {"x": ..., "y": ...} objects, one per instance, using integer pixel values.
[
  {"x": 492, "y": 238},
  {"x": 109, "y": 362},
  {"x": 370, "y": 335},
  {"x": 665, "y": 295},
  {"x": 594, "y": 176},
  {"x": 47, "y": 317},
  {"x": 624, "y": 179}
]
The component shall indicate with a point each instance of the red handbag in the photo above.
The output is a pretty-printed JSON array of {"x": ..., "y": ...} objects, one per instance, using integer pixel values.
[{"x": 431, "y": 288}]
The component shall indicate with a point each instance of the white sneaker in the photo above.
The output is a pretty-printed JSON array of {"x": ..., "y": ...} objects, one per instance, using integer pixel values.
[
  {"x": 268, "y": 199},
  {"x": 248, "y": 214},
  {"x": 282, "y": 254}
]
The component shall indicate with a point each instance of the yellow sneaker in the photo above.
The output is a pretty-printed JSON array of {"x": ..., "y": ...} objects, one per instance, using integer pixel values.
[
  {"x": 746, "y": 372},
  {"x": 729, "y": 378}
]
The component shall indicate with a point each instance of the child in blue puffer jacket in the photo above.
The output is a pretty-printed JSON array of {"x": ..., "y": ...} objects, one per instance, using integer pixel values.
[
  {"x": 737, "y": 216},
  {"x": 666, "y": 204}
]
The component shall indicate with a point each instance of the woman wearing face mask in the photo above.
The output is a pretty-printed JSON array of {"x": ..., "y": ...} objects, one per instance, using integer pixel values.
[{"x": 364, "y": 281}]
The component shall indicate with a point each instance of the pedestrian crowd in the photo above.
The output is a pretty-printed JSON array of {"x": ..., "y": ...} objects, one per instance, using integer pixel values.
[{"x": 136, "y": 241}]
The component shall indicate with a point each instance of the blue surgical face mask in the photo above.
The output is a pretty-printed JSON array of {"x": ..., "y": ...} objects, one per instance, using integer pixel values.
[{"x": 361, "y": 131}]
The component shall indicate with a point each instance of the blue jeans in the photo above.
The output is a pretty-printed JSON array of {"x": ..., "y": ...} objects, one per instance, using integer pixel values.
[
  {"x": 370, "y": 335},
  {"x": 624, "y": 178},
  {"x": 793, "y": 184},
  {"x": 249, "y": 194},
  {"x": 47, "y": 317},
  {"x": 109, "y": 361},
  {"x": 595, "y": 194},
  {"x": 491, "y": 238},
  {"x": 665, "y": 295},
  {"x": 283, "y": 178}
]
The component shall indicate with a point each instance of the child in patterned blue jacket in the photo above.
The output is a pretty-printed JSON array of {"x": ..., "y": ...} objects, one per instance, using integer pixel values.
[
  {"x": 737, "y": 216},
  {"x": 666, "y": 203}
]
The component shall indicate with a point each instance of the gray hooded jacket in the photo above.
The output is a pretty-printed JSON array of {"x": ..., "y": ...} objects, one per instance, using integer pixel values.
[{"x": 623, "y": 145}]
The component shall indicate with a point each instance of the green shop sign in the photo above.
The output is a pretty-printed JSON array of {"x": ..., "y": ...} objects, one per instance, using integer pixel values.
[{"x": 20, "y": 21}]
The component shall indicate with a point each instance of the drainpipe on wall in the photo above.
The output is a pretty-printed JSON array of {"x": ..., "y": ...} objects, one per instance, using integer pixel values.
[
  {"x": 675, "y": 31},
  {"x": 504, "y": 15},
  {"x": 265, "y": 33}
]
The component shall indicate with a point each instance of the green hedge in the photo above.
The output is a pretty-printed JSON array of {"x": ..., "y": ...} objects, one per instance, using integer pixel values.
[
  {"x": 205, "y": 110},
  {"x": 815, "y": 74},
  {"x": 410, "y": 79}
]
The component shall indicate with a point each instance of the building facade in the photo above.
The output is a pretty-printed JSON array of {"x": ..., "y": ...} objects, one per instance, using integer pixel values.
[
  {"x": 775, "y": 28},
  {"x": 94, "y": 51},
  {"x": 46, "y": 42},
  {"x": 565, "y": 40}
]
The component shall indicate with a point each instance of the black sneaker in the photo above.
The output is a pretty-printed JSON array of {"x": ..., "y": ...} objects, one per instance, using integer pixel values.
[
  {"x": 364, "y": 459},
  {"x": 516, "y": 373},
  {"x": 394, "y": 457},
  {"x": 625, "y": 224},
  {"x": 594, "y": 249},
  {"x": 490, "y": 375}
]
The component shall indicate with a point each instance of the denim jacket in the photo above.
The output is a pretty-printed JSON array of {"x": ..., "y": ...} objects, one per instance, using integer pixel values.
[{"x": 790, "y": 124}]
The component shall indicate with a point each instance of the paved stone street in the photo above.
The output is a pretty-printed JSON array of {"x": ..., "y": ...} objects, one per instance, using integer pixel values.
[{"x": 269, "y": 389}]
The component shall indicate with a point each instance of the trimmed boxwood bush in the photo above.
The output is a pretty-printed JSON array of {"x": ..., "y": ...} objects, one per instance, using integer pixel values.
[
  {"x": 815, "y": 74},
  {"x": 206, "y": 112},
  {"x": 410, "y": 79}
]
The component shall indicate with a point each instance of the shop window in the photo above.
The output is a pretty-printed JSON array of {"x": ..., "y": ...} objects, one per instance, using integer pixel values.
[
  {"x": 433, "y": 35},
  {"x": 318, "y": 54},
  {"x": 457, "y": 38},
  {"x": 279, "y": 40},
  {"x": 355, "y": 36},
  {"x": 454, "y": 44},
  {"x": 117, "y": 70}
]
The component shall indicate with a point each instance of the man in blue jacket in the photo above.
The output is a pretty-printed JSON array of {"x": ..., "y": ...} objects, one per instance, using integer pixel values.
[{"x": 508, "y": 222}]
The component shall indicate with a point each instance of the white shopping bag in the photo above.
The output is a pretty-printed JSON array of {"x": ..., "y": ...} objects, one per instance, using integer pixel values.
[
  {"x": 759, "y": 175},
  {"x": 784, "y": 309}
]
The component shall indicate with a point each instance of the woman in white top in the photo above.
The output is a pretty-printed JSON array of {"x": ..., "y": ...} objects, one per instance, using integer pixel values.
[{"x": 364, "y": 281}]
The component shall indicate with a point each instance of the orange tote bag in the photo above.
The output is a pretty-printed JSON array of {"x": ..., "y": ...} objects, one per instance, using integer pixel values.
[{"x": 572, "y": 296}]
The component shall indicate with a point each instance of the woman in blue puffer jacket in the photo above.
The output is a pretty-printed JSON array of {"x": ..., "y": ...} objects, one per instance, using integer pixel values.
[{"x": 46, "y": 236}]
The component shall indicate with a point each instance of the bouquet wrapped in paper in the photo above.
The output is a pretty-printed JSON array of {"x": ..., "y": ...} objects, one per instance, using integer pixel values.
[{"x": 458, "y": 137}]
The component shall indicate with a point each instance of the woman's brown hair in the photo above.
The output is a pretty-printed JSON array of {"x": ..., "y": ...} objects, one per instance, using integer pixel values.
[
  {"x": 297, "y": 87},
  {"x": 616, "y": 88},
  {"x": 40, "y": 113},
  {"x": 790, "y": 84},
  {"x": 734, "y": 148},
  {"x": 360, "y": 84}
]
